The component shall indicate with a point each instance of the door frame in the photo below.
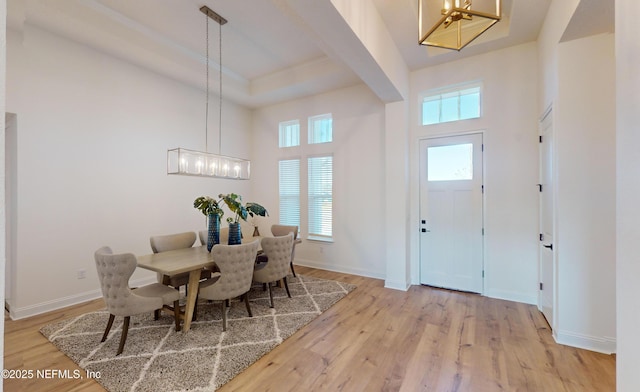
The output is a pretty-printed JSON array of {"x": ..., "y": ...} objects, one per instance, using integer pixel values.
[
  {"x": 549, "y": 111},
  {"x": 417, "y": 228}
]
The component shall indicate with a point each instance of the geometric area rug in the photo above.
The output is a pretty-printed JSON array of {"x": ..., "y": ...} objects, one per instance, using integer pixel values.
[{"x": 157, "y": 358}]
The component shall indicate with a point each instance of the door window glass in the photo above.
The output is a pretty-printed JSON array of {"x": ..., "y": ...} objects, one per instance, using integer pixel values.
[{"x": 450, "y": 163}]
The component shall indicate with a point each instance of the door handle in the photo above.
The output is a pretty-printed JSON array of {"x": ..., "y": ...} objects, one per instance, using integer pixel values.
[{"x": 550, "y": 246}]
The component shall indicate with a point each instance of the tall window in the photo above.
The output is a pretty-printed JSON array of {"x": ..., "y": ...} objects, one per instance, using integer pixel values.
[
  {"x": 451, "y": 105},
  {"x": 320, "y": 129},
  {"x": 289, "y": 184},
  {"x": 307, "y": 170},
  {"x": 289, "y": 134},
  {"x": 320, "y": 196}
]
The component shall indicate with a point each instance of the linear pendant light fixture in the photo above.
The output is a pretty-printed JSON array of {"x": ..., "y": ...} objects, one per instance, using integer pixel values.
[
  {"x": 457, "y": 23},
  {"x": 205, "y": 164}
]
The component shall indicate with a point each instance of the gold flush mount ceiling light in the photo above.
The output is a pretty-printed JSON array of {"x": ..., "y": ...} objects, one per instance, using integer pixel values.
[{"x": 453, "y": 24}]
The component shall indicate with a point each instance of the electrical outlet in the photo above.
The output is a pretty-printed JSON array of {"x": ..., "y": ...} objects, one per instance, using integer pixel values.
[{"x": 82, "y": 273}]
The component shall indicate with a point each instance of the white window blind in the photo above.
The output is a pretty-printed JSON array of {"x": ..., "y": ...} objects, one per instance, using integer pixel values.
[
  {"x": 452, "y": 105},
  {"x": 289, "y": 184},
  {"x": 320, "y": 129},
  {"x": 289, "y": 134},
  {"x": 321, "y": 197}
]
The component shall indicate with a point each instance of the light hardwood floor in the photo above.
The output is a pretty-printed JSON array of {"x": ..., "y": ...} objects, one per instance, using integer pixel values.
[{"x": 377, "y": 339}]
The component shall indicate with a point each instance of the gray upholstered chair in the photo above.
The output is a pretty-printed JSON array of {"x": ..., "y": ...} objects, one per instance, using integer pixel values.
[
  {"x": 278, "y": 252},
  {"x": 236, "y": 272},
  {"x": 114, "y": 272},
  {"x": 224, "y": 236},
  {"x": 164, "y": 243},
  {"x": 280, "y": 230}
]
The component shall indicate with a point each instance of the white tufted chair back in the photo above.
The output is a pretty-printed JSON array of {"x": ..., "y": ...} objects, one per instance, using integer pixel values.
[
  {"x": 236, "y": 271},
  {"x": 224, "y": 236},
  {"x": 163, "y": 243},
  {"x": 282, "y": 230},
  {"x": 114, "y": 272},
  {"x": 278, "y": 251}
]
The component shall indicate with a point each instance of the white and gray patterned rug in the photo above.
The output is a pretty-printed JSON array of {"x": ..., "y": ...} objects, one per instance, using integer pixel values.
[{"x": 157, "y": 358}]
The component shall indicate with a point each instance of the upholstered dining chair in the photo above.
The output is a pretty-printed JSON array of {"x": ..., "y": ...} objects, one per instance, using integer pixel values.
[
  {"x": 278, "y": 252},
  {"x": 224, "y": 236},
  {"x": 236, "y": 272},
  {"x": 114, "y": 271},
  {"x": 164, "y": 243},
  {"x": 279, "y": 231}
]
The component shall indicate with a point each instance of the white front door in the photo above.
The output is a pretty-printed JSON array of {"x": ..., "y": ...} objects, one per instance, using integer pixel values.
[
  {"x": 547, "y": 282},
  {"x": 451, "y": 229}
]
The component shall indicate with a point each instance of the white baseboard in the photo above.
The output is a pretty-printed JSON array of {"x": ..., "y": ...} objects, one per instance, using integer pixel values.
[
  {"x": 605, "y": 345},
  {"x": 17, "y": 313},
  {"x": 339, "y": 268},
  {"x": 513, "y": 296},
  {"x": 397, "y": 285}
]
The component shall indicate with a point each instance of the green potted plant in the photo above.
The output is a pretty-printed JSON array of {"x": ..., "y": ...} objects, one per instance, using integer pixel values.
[
  {"x": 234, "y": 202},
  {"x": 212, "y": 210}
]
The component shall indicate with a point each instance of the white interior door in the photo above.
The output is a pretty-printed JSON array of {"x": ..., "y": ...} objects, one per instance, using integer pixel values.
[
  {"x": 547, "y": 279},
  {"x": 451, "y": 230}
]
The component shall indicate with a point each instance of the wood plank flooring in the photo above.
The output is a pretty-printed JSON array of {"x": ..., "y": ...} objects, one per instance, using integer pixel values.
[{"x": 377, "y": 339}]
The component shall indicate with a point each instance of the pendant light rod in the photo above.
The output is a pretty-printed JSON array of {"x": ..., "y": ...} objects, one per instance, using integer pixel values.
[
  {"x": 220, "y": 20},
  {"x": 182, "y": 161}
]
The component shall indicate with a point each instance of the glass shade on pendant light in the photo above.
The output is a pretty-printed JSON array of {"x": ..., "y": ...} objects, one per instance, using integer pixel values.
[
  {"x": 453, "y": 24},
  {"x": 197, "y": 163}
]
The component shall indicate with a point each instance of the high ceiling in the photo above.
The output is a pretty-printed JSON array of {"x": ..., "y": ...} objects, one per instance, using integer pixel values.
[{"x": 270, "y": 52}]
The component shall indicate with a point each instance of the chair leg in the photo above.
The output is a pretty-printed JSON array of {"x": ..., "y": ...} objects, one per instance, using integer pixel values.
[
  {"x": 123, "y": 336},
  {"x": 224, "y": 316},
  {"x": 270, "y": 295},
  {"x": 286, "y": 286},
  {"x": 292, "y": 270},
  {"x": 176, "y": 314},
  {"x": 156, "y": 314},
  {"x": 109, "y": 324},
  {"x": 246, "y": 302}
]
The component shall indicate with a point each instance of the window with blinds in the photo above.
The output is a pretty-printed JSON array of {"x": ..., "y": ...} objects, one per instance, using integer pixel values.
[
  {"x": 451, "y": 105},
  {"x": 320, "y": 200},
  {"x": 289, "y": 134},
  {"x": 320, "y": 129},
  {"x": 289, "y": 185}
]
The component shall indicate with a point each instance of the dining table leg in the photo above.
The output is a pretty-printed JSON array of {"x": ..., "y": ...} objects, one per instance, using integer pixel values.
[{"x": 192, "y": 296}]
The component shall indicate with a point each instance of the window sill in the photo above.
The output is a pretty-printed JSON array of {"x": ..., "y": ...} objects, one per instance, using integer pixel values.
[{"x": 320, "y": 239}]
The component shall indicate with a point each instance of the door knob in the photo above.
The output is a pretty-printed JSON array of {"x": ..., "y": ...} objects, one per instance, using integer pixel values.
[{"x": 550, "y": 246}]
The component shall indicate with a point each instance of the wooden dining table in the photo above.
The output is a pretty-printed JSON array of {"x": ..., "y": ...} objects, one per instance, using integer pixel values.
[{"x": 191, "y": 260}]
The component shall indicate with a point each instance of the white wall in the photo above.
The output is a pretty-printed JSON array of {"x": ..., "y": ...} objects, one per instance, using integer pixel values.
[
  {"x": 93, "y": 133},
  {"x": 558, "y": 16},
  {"x": 627, "y": 48},
  {"x": 585, "y": 235},
  {"x": 509, "y": 122},
  {"x": 3, "y": 59},
  {"x": 359, "y": 208},
  {"x": 577, "y": 80}
]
